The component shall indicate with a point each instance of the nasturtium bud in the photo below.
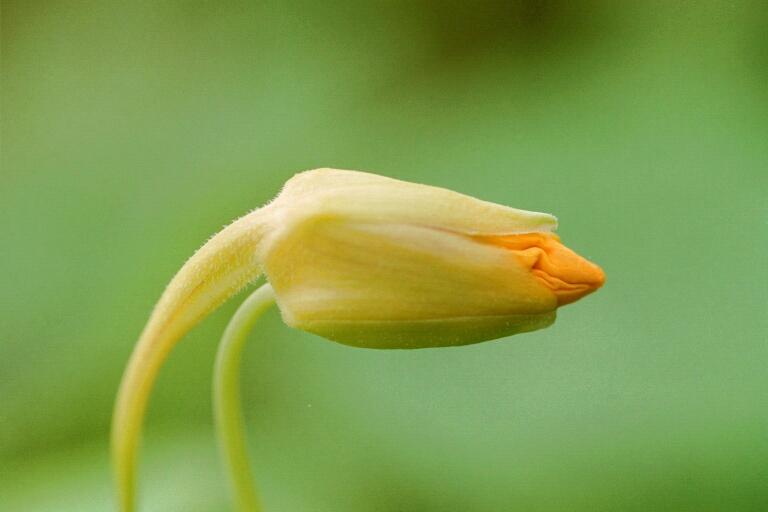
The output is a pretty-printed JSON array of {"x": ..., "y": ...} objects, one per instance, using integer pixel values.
[
  {"x": 367, "y": 261},
  {"x": 375, "y": 262}
]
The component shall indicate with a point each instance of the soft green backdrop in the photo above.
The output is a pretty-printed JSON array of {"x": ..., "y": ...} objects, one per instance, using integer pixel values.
[{"x": 133, "y": 131}]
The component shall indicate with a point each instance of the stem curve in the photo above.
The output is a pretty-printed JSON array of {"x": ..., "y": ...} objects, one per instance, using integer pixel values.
[
  {"x": 228, "y": 416},
  {"x": 221, "y": 267}
]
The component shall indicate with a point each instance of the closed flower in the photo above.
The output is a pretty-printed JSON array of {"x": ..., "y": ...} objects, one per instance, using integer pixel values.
[{"x": 375, "y": 262}]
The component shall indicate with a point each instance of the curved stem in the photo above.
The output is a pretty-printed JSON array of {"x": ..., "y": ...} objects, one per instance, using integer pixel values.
[
  {"x": 226, "y": 398},
  {"x": 218, "y": 270}
]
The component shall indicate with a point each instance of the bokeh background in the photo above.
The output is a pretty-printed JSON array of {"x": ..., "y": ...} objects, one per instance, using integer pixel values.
[{"x": 131, "y": 131}]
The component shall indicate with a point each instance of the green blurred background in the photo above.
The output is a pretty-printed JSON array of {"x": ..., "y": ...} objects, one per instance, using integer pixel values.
[{"x": 133, "y": 131}]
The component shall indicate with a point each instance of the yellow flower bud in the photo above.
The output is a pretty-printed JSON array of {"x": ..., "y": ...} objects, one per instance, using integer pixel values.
[
  {"x": 368, "y": 261},
  {"x": 375, "y": 262}
]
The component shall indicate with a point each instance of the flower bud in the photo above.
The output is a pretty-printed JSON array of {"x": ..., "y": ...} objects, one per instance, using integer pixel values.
[{"x": 375, "y": 262}]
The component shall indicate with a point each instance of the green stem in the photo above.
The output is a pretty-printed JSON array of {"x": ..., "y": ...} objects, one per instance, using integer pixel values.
[{"x": 226, "y": 398}]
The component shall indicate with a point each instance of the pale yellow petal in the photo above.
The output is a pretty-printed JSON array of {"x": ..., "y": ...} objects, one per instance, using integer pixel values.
[
  {"x": 393, "y": 285},
  {"x": 369, "y": 197}
]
